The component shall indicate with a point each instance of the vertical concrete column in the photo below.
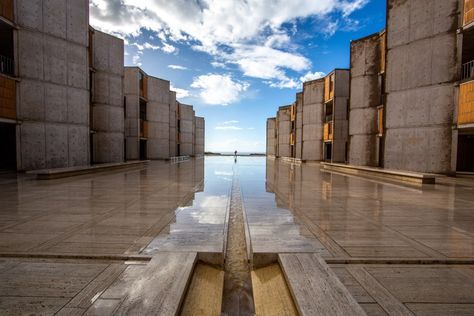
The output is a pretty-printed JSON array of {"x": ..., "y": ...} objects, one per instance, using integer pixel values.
[
  {"x": 312, "y": 120},
  {"x": 132, "y": 113},
  {"x": 284, "y": 128},
  {"x": 365, "y": 97},
  {"x": 340, "y": 117},
  {"x": 53, "y": 93},
  {"x": 107, "y": 98},
  {"x": 200, "y": 136},
  {"x": 186, "y": 129},
  {"x": 158, "y": 117},
  {"x": 173, "y": 119},
  {"x": 299, "y": 126},
  {"x": 421, "y": 71},
  {"x": 271, "y": 132}
]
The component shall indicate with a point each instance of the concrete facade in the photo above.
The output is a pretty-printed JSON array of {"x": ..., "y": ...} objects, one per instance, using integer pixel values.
[
  {"x": 299, "y": 126},
  {"x": 411, "y": 101},
  {"x": 156, "y": 125},
  {"x": 271, "y": 137},
  {"x": 157, "y": 115},
  {"x": 185, "y": 130},
  {"x": 107, "y": 111},
  {"x": 312, "y": 120},
  {"x": 132, "y": 112},
  {"x": 366, "y": 96},
  {"x": 284, "y": 128},
  {"x": 421, "y": 71},
  {"x": 199, "y": 139},
  {"x": 53, "y": 93}
]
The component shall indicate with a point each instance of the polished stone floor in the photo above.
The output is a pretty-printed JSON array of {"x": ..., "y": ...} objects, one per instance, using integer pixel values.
[{"x": 78, "y": 245}]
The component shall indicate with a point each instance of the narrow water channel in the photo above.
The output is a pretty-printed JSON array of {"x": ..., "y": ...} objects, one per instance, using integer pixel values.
[{"x": 237, "y": 297}]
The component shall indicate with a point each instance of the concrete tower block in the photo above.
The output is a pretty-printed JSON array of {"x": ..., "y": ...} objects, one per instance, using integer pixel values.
[
  {"x": 108, "y": 102},
  {"x": 312, "y": 113},
  {"x": 421, "y": 72}
]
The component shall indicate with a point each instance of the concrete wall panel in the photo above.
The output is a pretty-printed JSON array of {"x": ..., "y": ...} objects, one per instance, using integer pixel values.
[
  {"x": 78, "y": 145},
  {"x": 55, "y": 102},
  {"x": 56, "y": 145},
  {"x": 31, "y": 97},
  {"x": 54, "y": 20},
  {"x": 78, "y": 106},
  {"x": 55, "y": 61},
  {"x": 30, "y": 54},
  {"x": 32, "y": 146},
  {"x": 29, "y": 13}
]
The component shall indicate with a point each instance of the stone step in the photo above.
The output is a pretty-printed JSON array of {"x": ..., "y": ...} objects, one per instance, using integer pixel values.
[
  {"x": 315, "y": 288},
  {"x": 58, "y": 173},
  {"x": 161, "y": 288},
  {"x": 381, "y": 173}
]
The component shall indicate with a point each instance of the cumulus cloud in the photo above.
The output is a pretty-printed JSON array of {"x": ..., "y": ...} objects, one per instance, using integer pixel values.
[
  {"x": 229, "y": 127},
  {"x": 312, "y": 76},
  {"x": 180, "y": 93},
  {"x": 177, "y": 67},
  {"x": 216, "y": 89},
  {"x": 251, "y": 34}
]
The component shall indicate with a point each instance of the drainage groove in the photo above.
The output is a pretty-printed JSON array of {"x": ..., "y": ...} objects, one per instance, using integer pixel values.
[{"x": 237, "y": 297}]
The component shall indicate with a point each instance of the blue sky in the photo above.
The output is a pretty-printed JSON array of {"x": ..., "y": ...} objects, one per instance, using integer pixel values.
[{"x": 237, "y": 61}]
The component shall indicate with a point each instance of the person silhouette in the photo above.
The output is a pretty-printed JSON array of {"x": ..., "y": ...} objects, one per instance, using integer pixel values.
[{"x": 235, "y": 153}]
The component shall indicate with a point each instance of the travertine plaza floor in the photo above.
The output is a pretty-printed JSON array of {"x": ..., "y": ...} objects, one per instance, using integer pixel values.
[{"x": 78, "y": 245}]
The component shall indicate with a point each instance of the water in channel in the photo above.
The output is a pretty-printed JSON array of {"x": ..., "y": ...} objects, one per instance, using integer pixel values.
[{"x": 237, "y": 298}]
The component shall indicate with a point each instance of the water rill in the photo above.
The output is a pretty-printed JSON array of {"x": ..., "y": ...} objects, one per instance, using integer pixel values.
[{"x": 237, "y": 298}]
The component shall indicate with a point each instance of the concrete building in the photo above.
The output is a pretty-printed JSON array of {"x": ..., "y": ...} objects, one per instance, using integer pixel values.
[
  {"x": 199, "y": 137},
  {"x": 336, "y": 120},
  {"x": 312, "y": 120},
  {"x": 422, "y": 69},
  {"x": 106, "y": 56},
  {"x": 304, "y": 130},
  {"x": 156, "y": 125},
  {"x": 185, "y": 127},
  {"x": 271, "y": 137},
  {"x": 463, "y": 131},
  {"x": 411, "y": 95},
  {"x": 367, "y": 101},
  {"x": 44, "y": 80},
  {"x": 284, "y": 136}
]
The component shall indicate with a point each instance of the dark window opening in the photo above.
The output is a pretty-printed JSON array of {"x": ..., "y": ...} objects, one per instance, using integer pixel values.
[
  {"x": 143, "y": 149},
  {"x": 7, "y": 64},
  {"x": 8, "y": 141}
]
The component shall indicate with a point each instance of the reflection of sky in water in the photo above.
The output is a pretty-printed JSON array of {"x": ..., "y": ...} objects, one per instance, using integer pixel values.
[
  {"x": 224, "y": 175},
  {"x": 209, "y": 210}
]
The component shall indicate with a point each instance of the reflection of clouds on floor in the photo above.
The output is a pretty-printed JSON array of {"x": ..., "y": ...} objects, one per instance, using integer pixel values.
[
  {"x": 224, "y": 175},
  {"x": 210, "y": 210}
]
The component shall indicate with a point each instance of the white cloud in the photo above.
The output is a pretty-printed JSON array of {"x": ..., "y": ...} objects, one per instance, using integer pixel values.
[
  {"x": 177, "y": 67},
  {"x": 312, "y": 76},
  {"x": 167, "y": 48},
  {"x": 218, "y": 89},
  {"x": 180, "y": 93},
  {"x": 229, "y": 127},
  {"x": 249, "y": 34},
  {"x": 229, "y": 122}
]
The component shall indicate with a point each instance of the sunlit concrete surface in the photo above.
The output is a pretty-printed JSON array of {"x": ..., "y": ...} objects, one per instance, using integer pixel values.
[{"x": 89, "y": 244}]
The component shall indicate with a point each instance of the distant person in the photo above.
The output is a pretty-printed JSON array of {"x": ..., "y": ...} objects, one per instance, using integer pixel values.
[{"x": 235, "y": 153}]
